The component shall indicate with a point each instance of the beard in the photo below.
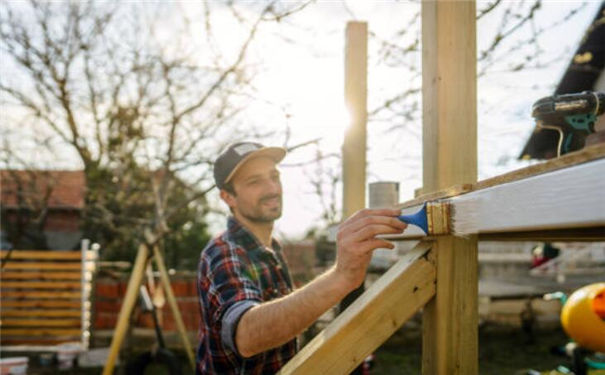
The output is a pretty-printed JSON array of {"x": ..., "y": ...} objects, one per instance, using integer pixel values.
[{"x": 260, "y": 213}]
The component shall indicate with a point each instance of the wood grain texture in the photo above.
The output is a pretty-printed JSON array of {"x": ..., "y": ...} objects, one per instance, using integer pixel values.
[
  {"x": 585, "y": 155},
  {"x": 56, "y": 313},
  {"x": 56, "y": 294},
  {"x": 36, "y": 275},
  {"x": 46, "y": 255},
  {"x": 41, "y": 284},
  {"x": 28, "y": 332},
  {"x": 42, "y": 266},
  {"x": 41, "y": 303},
  {"x": 449, "y": 323},
  {"x": 449, "y": 85},
  {"x": 176, "y": 313},
  {"x": 39, "y": 323},
  {"x": 354, "y": 145},
  {"x": 371, "y": 319},
  {"x": 130, "y": 298}
]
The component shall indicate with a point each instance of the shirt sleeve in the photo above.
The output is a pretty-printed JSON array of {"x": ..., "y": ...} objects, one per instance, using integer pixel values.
[{"x": 232, "y": 291}]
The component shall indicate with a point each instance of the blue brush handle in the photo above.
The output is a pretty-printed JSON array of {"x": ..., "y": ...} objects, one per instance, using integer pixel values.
[{"x": 418, "y": 219}]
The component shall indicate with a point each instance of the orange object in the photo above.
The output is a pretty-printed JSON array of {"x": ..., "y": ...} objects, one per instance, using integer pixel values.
[
  {"x": 598, "y": 304},
  {"x": 583, "y": 314}
]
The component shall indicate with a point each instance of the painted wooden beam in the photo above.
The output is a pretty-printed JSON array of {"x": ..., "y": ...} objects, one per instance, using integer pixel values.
[
  {"x": 449, "y": 101},
  {"x": 372, "y": 319},
  {"x": 562, "y": 199}
]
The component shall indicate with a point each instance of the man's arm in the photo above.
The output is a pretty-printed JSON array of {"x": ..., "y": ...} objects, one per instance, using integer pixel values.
[{"x": 276, "y": 322}]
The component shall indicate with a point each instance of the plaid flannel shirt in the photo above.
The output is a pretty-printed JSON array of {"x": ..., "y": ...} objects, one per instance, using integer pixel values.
[{"x": 235, "y": 273}]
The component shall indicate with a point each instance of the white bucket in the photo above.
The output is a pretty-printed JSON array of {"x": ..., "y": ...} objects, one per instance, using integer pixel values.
[{"x": 66, "y": 355}]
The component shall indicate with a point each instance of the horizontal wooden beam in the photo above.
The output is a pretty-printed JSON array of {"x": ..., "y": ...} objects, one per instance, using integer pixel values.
[
  {"x": 38, "y": 275},
  {"x": 55, "y": 285},
  {"x": 53, "y": 303},
  {"x": 42, "y": 265},
  {"x": 28, "y": 332},
  {"x": 57, "y": 313},
  {"x": 37, "y": 294},
  {"x": 40, "y": 323},
  {"x": 372, "y": 318},
  {"x": 46, "y": 254},
  {"x": 563, "y": 199}
]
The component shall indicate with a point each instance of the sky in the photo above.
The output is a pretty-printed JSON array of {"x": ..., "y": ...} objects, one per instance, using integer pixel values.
[
  {"x": 307, "y": 78},
  {"x": 299, "y": 85}
]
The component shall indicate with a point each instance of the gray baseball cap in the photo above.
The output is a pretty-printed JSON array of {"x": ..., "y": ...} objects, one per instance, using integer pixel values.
[{"x": 237, "y": 154}]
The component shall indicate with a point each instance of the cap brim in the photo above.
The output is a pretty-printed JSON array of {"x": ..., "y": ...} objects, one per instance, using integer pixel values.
[{"x": 275, "y": 153}]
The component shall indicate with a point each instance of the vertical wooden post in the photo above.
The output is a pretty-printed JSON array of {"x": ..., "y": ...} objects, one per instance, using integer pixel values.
[
  {"x": 450, "y": 157},
  {"x": 354, "y": 146},
  {"x": 176, "y": 313},
  {"x": 130, "y": 299}
]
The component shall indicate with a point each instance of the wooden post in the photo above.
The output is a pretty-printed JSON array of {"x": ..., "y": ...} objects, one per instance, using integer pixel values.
[
  {"x": 354, "y": 146},
  {"x": 130, "y": 299},
  {"x": 449, "y": 158},
  {"x": 159, "y": 261}
]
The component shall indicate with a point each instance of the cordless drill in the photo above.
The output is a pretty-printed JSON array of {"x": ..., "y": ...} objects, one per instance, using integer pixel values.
[{"x": 572, "y": 115}]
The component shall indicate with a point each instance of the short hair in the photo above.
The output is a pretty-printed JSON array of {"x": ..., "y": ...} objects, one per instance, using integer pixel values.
[{"x": 228, "y": 187}]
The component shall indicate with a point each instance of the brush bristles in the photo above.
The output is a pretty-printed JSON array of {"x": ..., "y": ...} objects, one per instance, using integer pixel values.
[
  {"x": 465, "y": 216},
  {"x": 438, "y": 217}
]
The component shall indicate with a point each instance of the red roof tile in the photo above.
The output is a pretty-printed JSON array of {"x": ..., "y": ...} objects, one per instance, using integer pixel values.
[{"x": 67, "y": 188}]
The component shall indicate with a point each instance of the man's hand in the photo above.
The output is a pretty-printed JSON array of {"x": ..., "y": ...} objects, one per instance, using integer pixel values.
[{"x": 356, "y": 240}]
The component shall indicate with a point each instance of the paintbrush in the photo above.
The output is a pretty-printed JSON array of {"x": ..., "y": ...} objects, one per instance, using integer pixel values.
[{"x": 457, "y": 216}]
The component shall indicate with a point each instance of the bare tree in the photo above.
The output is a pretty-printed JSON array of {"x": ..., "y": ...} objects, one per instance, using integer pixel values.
[{"x": 146, "y": 114}]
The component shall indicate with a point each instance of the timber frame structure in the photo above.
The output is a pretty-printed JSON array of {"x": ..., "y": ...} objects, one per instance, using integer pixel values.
[{"x": 560, "y": 199}]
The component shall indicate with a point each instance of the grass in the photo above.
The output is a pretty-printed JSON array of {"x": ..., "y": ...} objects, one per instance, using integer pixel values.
[{"x": 501, "y": 351}]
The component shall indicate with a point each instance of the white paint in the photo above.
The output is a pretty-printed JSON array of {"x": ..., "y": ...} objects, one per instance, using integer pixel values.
[{"x": 568, "y": 198}]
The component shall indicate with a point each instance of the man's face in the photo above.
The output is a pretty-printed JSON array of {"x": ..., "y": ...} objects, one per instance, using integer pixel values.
[{"x": 258, "y": 191}]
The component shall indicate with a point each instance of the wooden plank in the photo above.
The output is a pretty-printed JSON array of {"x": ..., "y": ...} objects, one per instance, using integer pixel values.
[
  {"x": 40, "y": 323},
  {"x": 354, "y": 145},
  {"x": 41, "y": 303},
  {"x": 132, "y": 292},
  {"x": 28, "y": 332},
  {"x": 176, "y": 313},
  {"x": 371, "y": 319},
  {"x": 4, "y": 313},
  {"x": 41, "y": 284},
  {"x": 42, "y": 266},
  {"x": 25, "y": 344},
  {"x": 45, "y": 255},
  {"x": 567, "y": 198},
  {"x": 29, "y": 275},
  {"x": 450, "y": 320},
  {"x": 36, "y": 294},
  {"x": 446, "y": 193},
  {"x": 585, "y": 155},
  {"x": 564, "y": 199},
  {"x": 589, "y": 234},
  {"x": 449, "y": 80}
]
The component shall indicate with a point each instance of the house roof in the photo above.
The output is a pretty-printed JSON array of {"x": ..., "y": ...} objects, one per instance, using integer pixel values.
[
  {"x": 583, "y": 72},
  {"x": 65, "y": 189}
]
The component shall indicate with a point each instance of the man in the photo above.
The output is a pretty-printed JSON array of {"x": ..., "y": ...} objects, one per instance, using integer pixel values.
[{"x": 250, "y": 316}]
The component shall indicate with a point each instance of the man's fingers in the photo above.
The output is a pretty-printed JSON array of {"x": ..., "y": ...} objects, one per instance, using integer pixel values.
[
  {"x": 370, "y": 231},
  {"x": 377, "y": 243},
  {"x": 372, "y": 220}
]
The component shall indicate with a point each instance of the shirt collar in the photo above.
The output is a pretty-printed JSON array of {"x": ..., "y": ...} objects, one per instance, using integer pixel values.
[{"x": 237, "y": 230}]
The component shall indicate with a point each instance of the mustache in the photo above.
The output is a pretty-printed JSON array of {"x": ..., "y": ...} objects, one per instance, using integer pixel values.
[{"x": 268, "y": 197}]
